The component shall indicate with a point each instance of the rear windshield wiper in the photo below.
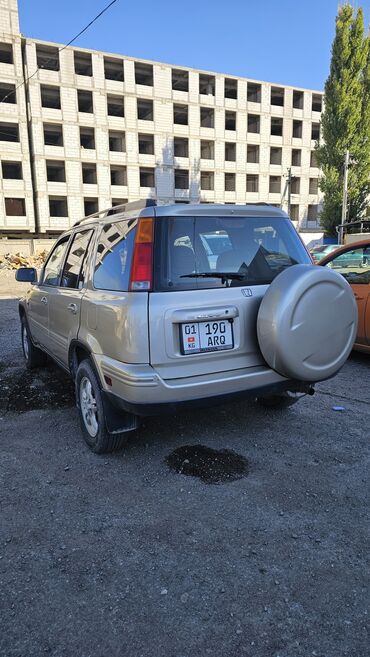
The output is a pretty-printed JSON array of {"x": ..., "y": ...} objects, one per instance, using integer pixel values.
[{"x": 224, "y": 275}]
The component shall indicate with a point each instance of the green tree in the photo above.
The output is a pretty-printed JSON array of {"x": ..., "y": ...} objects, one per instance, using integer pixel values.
[{"x": 346, "y": 121}]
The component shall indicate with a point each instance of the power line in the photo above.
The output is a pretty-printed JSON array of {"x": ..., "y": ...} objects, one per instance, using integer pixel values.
[{"x": 3, "y": 100}]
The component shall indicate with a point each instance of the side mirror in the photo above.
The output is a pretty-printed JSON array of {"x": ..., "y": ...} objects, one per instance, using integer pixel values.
[{"x": 26, "y": 275}]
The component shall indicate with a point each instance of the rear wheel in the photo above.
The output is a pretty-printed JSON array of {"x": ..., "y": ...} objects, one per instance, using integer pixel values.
[
  {"x": 34, "y": 357},
  {"x": 91, "y": 412}
]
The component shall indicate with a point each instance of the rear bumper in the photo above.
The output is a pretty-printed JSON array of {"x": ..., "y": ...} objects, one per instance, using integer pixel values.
[{"x": 139, "y": 389}]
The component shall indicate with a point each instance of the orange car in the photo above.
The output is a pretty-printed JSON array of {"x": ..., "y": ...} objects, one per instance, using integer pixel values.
[{"x": 353, "y": 262}]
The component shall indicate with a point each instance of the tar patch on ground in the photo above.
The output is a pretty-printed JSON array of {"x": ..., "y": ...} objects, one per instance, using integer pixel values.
[
  {"x": 212, "y": 466},
  {"x": 48, "y": 387}
]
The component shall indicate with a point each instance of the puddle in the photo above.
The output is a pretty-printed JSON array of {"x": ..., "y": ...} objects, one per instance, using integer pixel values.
[
  {"x": 212, "y": 466},
  {"x": 29, "y": 390}
]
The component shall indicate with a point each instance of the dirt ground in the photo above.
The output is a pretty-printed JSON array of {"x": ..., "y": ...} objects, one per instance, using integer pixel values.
[{"x": 224, "y": 532}]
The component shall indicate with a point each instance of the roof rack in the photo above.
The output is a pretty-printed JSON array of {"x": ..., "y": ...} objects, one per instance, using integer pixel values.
[{"x": 123, "y": 207}]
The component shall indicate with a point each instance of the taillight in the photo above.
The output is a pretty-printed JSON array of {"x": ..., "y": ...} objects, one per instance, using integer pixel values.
[{"x": 142, "y": 259}]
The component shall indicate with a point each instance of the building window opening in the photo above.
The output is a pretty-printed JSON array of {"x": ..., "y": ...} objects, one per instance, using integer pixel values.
[
  {"x": 253, "y": 125},
  {"x": 89, "y": 174},
  {"x": 297, "y": 130},
  {"x": 230, "y": 151},
  {"x": 276, "y": 126},
  {"x": 9, "y": 131},
  {"x": 146, "y": 144},
  {"x": 87, "y": 138},
  {"x": 253, "y": 92},
  {"x": 6, "y": 53},
  {"x": 118, "y": 175},
  {"x": 296, "y": 157},
  {"x": 12, "y": 170},
  {"x": 277, "y": 96},
  {"x": 7, "y": 93},
  {"x": 147, "y": 177},
  {"x": 115, "y": 105},
  {"x": 50, "y": 97},
  {"x": 181, "y": 179},
  {"x": 113, "y": 69},
  {"x": 83, "y": 63},
  {"x": 58, "y": 206},
  {"x": 15, "y": 207},
  {"x": 230, "y": 121},
  {"x": 207, "y": 180},
  {"x": 207, "y": 84},
  {"x": 252, "y": 183},
  {"x": 253, "y": 154},
  {"x": 181, "y": 147},
  {"x": 144, "y": 74},
  {"x": 207, "y": 150},
  {"x": 180, "y": 80},
  {"x": 145, "y": 110},
  {"x": 55, "y": 171},
  {"x": 231, "y": 88},
  {"x": 207, "y": 117},
  {"x": 47, "y": 57},
  {"x": 117, "y": 141},
  {"x": 229, "y": 182},
  {"x": 275, "y": 155}
]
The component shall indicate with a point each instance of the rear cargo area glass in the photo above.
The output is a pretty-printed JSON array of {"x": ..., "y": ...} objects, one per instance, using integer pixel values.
[{"x": 254, "y": 249}]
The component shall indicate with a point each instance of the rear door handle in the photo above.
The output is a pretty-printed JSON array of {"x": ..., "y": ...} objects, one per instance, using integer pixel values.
[
  {"x": 44, "y": 300},
  {"x": 72, "y": 307}
]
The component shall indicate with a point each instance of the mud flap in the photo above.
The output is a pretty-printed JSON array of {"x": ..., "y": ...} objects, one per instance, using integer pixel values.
[{"x": 117, "y": 420}]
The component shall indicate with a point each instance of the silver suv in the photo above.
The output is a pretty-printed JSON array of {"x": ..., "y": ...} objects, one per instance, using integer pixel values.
[{"x": 151, "y": 308}]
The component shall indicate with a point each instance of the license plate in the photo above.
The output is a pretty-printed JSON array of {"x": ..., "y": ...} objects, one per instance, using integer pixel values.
[{"x": 199, "y": 337}]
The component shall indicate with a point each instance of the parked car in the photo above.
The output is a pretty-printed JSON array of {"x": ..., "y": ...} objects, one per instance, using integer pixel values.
[
  {"x": 353, "y": 262},
  {"x": 135, "y": 307},
  {"x": 319, "y": 252}
]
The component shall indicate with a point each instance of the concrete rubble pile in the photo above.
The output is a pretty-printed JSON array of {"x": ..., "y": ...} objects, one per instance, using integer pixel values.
[{"x": 10, "y": 261}]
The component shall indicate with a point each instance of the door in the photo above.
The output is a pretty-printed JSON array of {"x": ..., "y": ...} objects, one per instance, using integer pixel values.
[
  {"x": 38, "y": 297},
  {"x": 354, "y": 265},
  {"x": 211, "y": 273},
  {"x": 65, "y": 299}
]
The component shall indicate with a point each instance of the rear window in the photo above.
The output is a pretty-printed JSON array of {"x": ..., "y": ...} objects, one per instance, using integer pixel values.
[{"x": 207, "y": 252}]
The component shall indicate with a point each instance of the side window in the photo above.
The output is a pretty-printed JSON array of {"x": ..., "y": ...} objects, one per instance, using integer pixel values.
[
  {"x": 353, "y": 265},
  {"x": 54, "y": 264},
  {"x": 113, "y": 258},
  {"x": 73, "y": 275}
]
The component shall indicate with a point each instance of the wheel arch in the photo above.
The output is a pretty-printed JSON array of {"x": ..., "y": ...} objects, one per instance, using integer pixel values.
[{"x": 78, "y": 351}]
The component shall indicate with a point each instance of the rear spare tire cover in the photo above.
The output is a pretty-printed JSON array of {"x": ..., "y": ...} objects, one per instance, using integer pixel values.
[{"x": 307, "y": 323}]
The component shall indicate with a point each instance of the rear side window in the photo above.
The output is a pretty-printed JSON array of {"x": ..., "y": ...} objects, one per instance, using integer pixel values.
[
  {"x": 204, "y": 252},
  {"x": 73, "y": 275},
  {"x": 113, "y": 257},
  {"x": 54, "y": 263}
]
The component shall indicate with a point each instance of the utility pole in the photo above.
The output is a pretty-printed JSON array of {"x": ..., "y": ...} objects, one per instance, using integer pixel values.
[
  {"x": 289, "y": 183},
  {"x": 344, "y": 200}
]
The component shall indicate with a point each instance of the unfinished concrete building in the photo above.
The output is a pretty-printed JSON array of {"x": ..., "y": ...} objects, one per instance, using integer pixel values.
[{"x": 81, "y": 130}]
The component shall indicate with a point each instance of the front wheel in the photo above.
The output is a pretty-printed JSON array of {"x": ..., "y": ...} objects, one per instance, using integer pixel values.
[
  {"x": 34, "y": 357},
  {"x": 91, "y": 413}
]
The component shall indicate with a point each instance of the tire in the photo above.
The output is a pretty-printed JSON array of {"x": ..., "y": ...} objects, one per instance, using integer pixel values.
[
  {"x": 91, "y": 412},
  {"x": 279, "y": 402},
  {"x": 307, "y": 323},
  {"x": 34, "y": 357}
]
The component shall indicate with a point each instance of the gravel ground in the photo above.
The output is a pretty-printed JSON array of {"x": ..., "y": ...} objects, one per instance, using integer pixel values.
[{"x": 128, "y": 555}]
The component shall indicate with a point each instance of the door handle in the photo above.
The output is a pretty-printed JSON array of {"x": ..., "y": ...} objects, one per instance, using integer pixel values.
[
  {"x": 358, "y": 298},
  {"x": 72, "y": 307},
  {"x": 43, "y": 300}
]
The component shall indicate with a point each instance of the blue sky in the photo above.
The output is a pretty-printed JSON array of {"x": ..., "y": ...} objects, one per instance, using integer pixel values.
[{"x": 282, "y": 41}]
